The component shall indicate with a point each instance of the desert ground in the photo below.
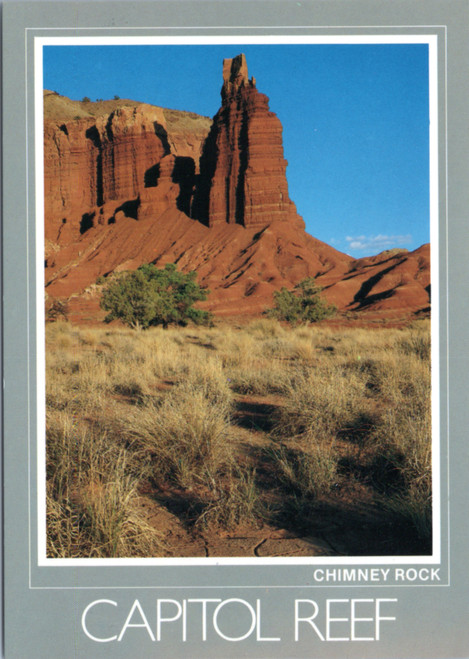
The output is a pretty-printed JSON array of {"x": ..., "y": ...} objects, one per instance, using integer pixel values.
[{"x": 247, "y": 439}]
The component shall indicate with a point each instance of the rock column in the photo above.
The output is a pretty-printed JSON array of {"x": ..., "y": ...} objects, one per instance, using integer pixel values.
[{"x": 244, "y": 159}]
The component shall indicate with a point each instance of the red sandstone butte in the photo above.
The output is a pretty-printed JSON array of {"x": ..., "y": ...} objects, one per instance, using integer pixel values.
[{"x": 128, "y": 183}]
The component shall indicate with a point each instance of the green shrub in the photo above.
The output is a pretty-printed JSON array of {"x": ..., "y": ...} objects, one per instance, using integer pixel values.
[
  {"x": 302, "y": 304},
  {"x": 149, "y": 296}
]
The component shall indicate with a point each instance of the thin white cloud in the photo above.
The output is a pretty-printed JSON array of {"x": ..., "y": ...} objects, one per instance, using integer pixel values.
[{"x": 379, "y": 242}]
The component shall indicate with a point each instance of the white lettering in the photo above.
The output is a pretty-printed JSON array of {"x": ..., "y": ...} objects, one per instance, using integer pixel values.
[
  {"x": 319, "y": 575},
  {"x": 83, "y": 621},
  {"x": 412, "y": 574},
  {"x": 220, "y": 607},
  {"x": 144, "y": 623},
  {"x": 159, "y": 617},
  {"x": 354, "y": 619},
  {"x": 329, "y": 619},
  {"x": 379, "y": 618},
  {"x": 204, "y": 613},
  {"x": 308, "y": 619},
  {"x": 258, "y": 626}
]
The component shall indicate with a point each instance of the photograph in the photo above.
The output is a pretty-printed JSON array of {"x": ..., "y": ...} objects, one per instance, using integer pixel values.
[{"x": 237, "y": 316}]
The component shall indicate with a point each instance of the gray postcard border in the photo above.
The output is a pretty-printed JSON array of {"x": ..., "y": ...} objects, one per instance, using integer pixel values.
[{"x": 31, "y": 591}]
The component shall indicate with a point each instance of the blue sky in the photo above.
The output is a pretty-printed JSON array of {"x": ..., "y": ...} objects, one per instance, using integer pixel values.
[{"x": 355, "y": 122}]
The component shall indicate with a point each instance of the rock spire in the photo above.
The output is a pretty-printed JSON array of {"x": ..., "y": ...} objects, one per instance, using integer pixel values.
[{"x": 243, "y": 170}]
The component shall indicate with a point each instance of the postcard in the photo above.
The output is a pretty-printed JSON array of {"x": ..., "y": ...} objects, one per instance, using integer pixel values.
[{"x": 234, "y": 372}]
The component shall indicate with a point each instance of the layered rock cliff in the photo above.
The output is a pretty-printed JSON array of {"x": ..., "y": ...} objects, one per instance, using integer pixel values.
[{"x": 105, "y": 160}]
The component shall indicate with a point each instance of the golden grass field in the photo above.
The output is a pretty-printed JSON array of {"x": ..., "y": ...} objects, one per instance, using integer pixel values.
[{"x": 162, "y": 442}]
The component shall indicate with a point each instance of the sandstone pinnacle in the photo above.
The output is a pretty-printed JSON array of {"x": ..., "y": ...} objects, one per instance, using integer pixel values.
[
  {"x": 243, "y": 170},
  {"x": 235, "y": 75}
]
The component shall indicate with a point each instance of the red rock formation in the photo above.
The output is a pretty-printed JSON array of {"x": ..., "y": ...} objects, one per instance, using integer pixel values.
[
  {"x": 243, "y": 171},
  {"x": 119, "y": 185},
  {"x": 131, "y": 141},
  {"x": 69, "y": 176},
  {"x": 99, "y": 165}
]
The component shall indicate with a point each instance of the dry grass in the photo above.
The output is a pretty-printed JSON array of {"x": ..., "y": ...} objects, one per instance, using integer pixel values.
[
  {"x": 321, "y": 402},
  {"x": 92, "y": 500},
  {"x": 308, "y": 473},
  {"x": 187, "y": 435},
  {"x": 236, "y": 501},
  {"x": 162, "y": 407}
]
